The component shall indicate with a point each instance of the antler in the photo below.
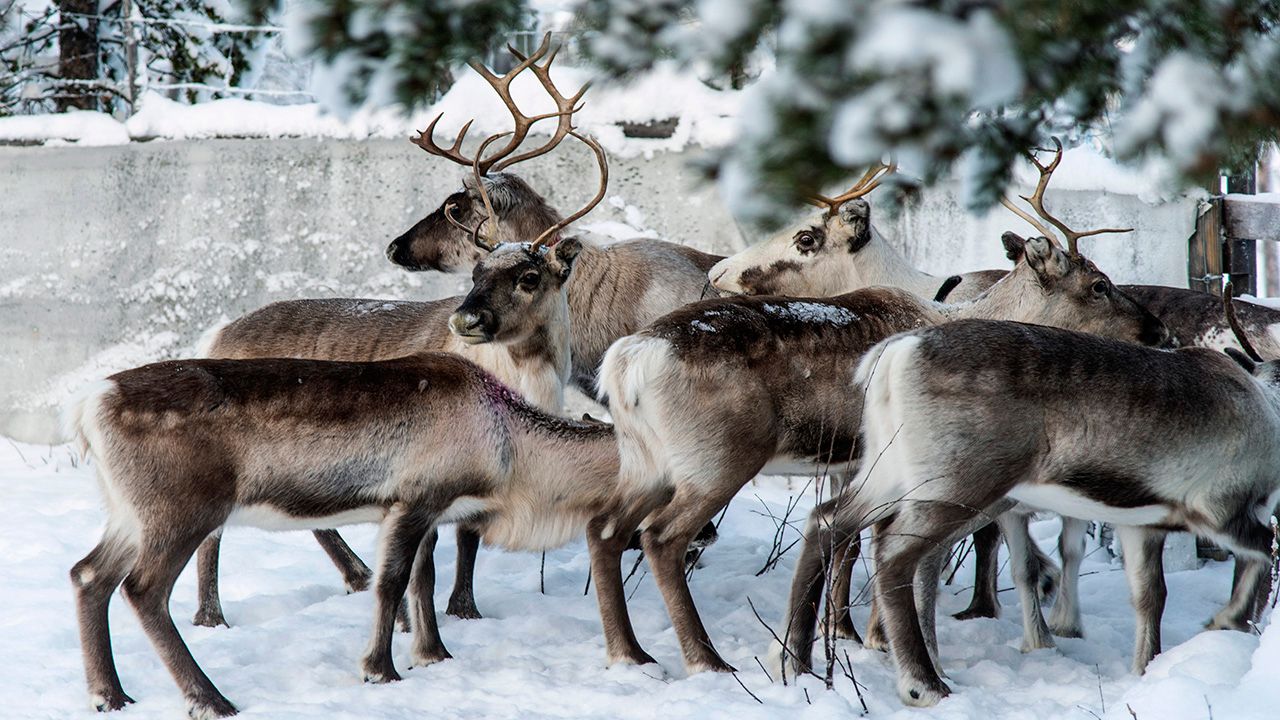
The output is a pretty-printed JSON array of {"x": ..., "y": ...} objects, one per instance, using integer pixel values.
[
  {"x": 604, "y": 184},
  {"x": 502, "y": 85},
  {"x": 1036, "y": 200},
  {"x": 565, "y": 106},
  {"x": 1234, "y": 322},
  {"x": 870, "y": 181},
  {"x": 449, "y": 208}
]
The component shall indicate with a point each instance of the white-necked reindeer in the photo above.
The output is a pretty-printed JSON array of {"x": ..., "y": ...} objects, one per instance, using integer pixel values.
[
  {"x": 822, "y": 258},
  {"x": 616, "y": 289},
  {"x": 721, "y": 390},
  {"x": 514, "y": 323},
  {"x": 965, "y": 415},
  {"x": 826, "y": 257},
  {"x": 185, "y": 447}
]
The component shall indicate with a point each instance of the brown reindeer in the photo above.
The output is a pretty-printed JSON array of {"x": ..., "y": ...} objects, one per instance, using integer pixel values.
[
  {"x": 616, "y": 289},
  {"x": 514, "y": 323},
  {"x": 184, "y": 447},
  {"x": 721, "y": 390},
  {"x": 828, "y": 256},
  {"x": 962, "y": 416}
]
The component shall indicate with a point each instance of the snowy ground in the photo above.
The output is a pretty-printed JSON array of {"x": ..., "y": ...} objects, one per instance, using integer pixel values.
[{"x": 293, "y": 650}]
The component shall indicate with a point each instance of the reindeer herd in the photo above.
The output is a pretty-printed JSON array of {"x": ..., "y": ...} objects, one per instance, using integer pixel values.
[{"x": 938, "y": 409}]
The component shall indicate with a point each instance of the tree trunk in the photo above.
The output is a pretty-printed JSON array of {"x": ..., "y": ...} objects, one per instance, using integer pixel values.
[{"x": 78, "y": 54}]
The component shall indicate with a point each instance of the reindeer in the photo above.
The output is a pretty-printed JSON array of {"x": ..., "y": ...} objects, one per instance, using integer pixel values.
[
  {"x": 616, "y": 289},
  {"x": 825, "y": 256},
  {"x": 184, "y": 447},
  {"x": 962, "y": 416},
  {"x": 514, "y": 323},
  {"x": 828, "y": 256},
  {"x": 721, "y": 390}
]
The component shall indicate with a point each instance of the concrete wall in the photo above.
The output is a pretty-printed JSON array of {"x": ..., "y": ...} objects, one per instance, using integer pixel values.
[{"x": 116, "y": 256}]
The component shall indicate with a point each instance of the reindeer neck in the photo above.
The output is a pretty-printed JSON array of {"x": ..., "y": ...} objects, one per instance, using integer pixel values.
[
  {"x": 878, "y": 263},
  {"x": 547, "y": 345},
  {"x": 1002, "y": 301}
]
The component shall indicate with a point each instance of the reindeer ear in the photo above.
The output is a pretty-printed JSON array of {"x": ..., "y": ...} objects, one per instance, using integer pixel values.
[
  {"x": 565, "y": 252},
  {"x": 1243, "y": 360},
  {"x": 1049, "y": 263},
  {"x": 855, "y": 214},
  {"x": 1014, "y": 245}
]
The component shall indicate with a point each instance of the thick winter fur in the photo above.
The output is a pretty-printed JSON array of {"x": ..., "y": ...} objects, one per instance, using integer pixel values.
[
  {"x": 514, "y": 323},
  {"x": 616, "y": 289},
  {"x": 715, "y": 392},
  {"x": 185, "y": 447},
  {"x": 971, "y": 412},
  {"x": 825, "y": 263},
  {"x": 833, "y": 254}
]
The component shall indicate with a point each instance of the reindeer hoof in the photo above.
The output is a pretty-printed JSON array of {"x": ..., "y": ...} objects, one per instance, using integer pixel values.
[
  {"x": 710, "y": 665},
  {"x": 974, "y": 612},
  {"x": 112, "y": 700},
  {"x": 1031, "y": 645},
  {"x": 358, "y": 583},
  {"x": 423, "y": 658},
  {"x": 208, "y": 708},
  {"x": 209, "y": 618},
  {"x": 379, "y": 672},
  {"x": 463, "y": 608},
  {"x": 922, "y": 693},
  {"x": 1066, "y": 628},
  {"x": 635, "y": 657}
]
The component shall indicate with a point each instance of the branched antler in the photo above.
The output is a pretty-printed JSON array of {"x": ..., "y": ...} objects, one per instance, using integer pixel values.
[
  {"x": 603, "y": 162},
  {"x": 870, "y": 181},
  {"x": 565, "y": 107},
  {"x": 1036, "y": 200}
]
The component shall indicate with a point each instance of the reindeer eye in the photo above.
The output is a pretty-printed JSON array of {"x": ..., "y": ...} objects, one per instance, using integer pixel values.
[
  {"x": 1100, "y": 287},
  {"x": 806, "y": 241},
  {"x": 529, "y": 280}
]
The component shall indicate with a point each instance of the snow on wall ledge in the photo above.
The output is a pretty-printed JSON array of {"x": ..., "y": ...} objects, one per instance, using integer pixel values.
[{"x": 111, "y": 257}]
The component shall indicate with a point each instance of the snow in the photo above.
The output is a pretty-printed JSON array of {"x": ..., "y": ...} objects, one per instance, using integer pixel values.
[
  {"x": 296, "y": 637},
  {"x": 706, "y": 116},
  {"x": 79, "y": 126},
  {"x": 811, "y": 312}
]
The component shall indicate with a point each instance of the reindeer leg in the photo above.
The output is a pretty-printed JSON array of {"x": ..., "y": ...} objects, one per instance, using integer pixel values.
[
  {"x": 665, "y": 546},
  {"x": 807, "y": 584},
  {"x": 355, "y": 574},
  {"x": 147, "y": 588},
  {"x": 1144, "y": 566},
  {"x": 838, "y": 620},
  {"x": 402, "y": 533},
  {"x": 209, "y": 609},
  {"x": 428, "y": 647},
  {"x": 1024, "y": 567},
  {"x": 985, "y": 602},
  {"x": 95, "y": 579},
  {"x": 902, "y": 543},
  {"x": 1251, "y": 581},
  {"x": 462, "y": 601},
  {"x": 621, "y": 645},
  {"x": 1064, "y": 621},
  {"x": 928, "y": 571}
]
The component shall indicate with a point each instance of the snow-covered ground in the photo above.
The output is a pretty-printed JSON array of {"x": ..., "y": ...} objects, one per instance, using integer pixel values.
[{"x": 296, "y": 637}]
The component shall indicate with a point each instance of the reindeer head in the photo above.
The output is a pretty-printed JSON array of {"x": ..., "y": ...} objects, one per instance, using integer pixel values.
[
  {"x": 512, "y": 285},
  {"x": 517, "y": 287},
  {"x": 519, "y": 212},
  {"x": 434, "y": 243},
  {"x": 1055, "y": 285},
  {"x": 815, "y": 259},
  {"x": 1049, "y": 286}
]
